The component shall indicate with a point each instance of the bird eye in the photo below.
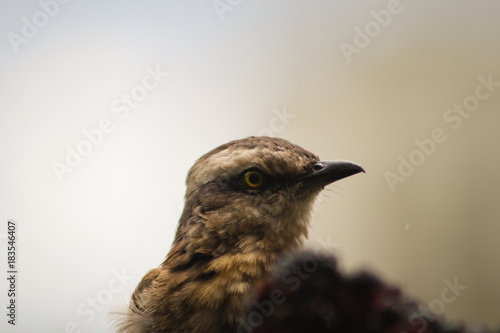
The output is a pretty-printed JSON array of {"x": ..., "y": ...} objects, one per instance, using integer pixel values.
[{"x": 253, "y": 178}]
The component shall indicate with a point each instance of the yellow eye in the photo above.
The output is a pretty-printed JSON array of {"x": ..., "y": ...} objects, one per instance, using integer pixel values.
[{"x": 253, "y": 178}]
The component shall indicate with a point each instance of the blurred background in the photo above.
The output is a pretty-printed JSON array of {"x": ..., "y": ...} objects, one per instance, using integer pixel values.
[{"x": 105, "y": 106}]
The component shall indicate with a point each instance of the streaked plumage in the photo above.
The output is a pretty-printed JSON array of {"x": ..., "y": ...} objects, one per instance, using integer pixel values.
[{"x": 247, "y": 203}]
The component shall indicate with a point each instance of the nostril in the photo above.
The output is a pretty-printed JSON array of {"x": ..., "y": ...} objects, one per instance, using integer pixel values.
[{"x": 318, "y": 167}]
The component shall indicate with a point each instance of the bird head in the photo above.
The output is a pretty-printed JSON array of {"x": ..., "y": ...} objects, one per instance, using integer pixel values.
[{"x": 258, "y": 188}]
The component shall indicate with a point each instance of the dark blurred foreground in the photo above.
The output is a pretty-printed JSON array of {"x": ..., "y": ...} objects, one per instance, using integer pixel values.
[{"x": 309, "y": 294}]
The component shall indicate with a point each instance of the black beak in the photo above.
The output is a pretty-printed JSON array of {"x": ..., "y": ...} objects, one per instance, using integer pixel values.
[{"x": 326, "y": 172}]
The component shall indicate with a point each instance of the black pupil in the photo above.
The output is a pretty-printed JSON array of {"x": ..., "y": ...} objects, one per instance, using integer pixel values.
[{"x": 254, "y": 178}]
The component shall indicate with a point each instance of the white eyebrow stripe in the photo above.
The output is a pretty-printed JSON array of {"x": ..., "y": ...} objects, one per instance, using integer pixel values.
[
  {"x": 225, "y": 163},
  {"x": 232, "y": 161}
]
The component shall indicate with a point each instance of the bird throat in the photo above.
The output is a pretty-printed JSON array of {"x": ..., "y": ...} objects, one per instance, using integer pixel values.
[{"x": 217, "y": 270}]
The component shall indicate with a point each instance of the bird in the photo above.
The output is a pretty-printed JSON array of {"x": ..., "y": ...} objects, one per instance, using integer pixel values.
[{"x": 248, "y": 203}]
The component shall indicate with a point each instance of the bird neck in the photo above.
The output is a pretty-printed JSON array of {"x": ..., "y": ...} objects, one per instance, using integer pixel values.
[{"x": 225, "y": 265}]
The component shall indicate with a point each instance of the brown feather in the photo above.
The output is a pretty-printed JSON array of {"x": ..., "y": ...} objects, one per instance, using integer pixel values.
[{"x": 228, "y": 239}]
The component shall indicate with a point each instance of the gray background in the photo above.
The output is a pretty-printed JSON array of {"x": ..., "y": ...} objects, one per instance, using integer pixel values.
[{"x": 230, "y": 74}]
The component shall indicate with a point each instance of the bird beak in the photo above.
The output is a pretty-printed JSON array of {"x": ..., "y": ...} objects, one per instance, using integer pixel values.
[{"x": 326, "y": 172}]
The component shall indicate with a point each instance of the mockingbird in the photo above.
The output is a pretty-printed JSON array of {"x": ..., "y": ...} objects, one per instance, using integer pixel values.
[{"x": 247, "y": 203}]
